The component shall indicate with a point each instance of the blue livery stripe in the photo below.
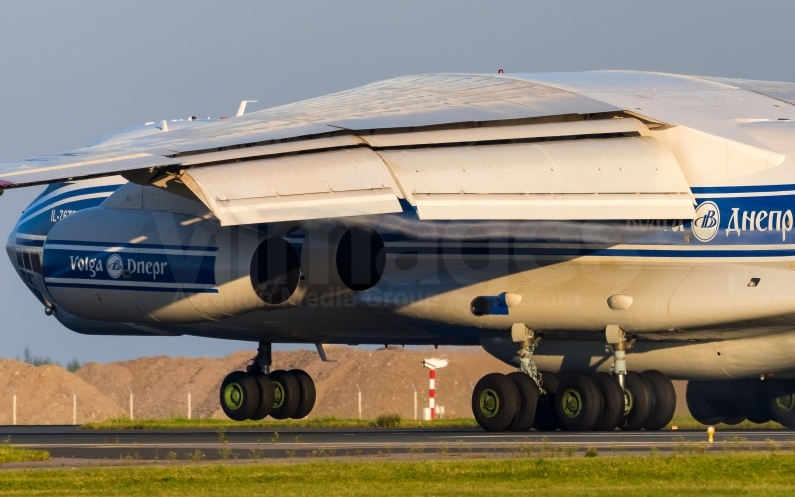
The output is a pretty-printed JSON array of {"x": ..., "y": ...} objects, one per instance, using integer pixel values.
[
  {"x": 742, "y": 189},
  {"x": 134, "y": 288},
  {"x": 134, "y": 245}
]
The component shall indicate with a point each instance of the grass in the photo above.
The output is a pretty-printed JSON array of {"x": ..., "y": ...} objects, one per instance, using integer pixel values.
[
  {"x": 12, "y": 454},
  {"x": 384, "y": 421},
  {"x": 653, "y": 475},
  {"x": 688, "y": 423}
]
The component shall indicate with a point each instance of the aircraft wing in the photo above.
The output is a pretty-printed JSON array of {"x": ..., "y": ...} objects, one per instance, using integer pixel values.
[{"x": 453, "y": 146}]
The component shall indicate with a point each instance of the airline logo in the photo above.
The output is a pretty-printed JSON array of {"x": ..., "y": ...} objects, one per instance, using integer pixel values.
[
  {"x": 115, "y": 266},
  {"x": 707, "y": 221}
]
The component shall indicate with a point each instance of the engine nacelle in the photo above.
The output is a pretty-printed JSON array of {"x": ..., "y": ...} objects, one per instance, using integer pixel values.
[{"x": 137, "y": 265}]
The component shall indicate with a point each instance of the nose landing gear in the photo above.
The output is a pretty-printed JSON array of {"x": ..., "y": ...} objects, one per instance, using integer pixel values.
[{"x": 258, "y": 392}]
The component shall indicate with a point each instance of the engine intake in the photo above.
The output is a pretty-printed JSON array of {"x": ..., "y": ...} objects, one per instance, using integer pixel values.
[{"x": 275, "y": 271}]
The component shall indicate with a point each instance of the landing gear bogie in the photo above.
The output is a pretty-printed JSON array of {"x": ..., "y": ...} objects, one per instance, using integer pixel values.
[{"x": 258, "y": 392}]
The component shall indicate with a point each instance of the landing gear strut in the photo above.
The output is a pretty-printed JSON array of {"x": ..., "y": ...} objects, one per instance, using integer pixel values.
[
  {"x": 522, "y": 334},
  {"x": 258, "y": 392},
  {"x": 617, "y": 344}
]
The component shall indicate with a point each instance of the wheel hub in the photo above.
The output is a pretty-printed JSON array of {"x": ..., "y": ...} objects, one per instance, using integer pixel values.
[
  {"x": 786, "y": 402},
  {"x": 278, "y": 394},
  {"x": 233, "y": 396},
  {"x": 489, "y": 403},
  {"x": 572, "y": 403},
  {"x": 628, "y": 401}
]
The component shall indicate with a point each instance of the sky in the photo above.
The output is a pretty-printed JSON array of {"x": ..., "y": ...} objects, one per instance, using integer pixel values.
[{"x": 73, "y": 71}]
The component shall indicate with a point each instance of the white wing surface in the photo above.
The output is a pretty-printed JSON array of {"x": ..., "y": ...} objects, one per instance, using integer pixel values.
[{"x": 600, "y": 145}]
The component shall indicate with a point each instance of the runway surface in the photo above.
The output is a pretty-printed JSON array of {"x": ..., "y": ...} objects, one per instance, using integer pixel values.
[{"x": 256, "y": 443}]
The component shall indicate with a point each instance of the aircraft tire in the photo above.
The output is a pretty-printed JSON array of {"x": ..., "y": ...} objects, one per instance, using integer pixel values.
[
  {"x": 266, "y": 393},
  {"x": 528, "y": 400},
  {"x": 495, "y": 402},
  {"x": 307, "y": 395},
  {"x": 287, "y": 394},
  {"x": 759, "y": 411},
  {"x": 744, "y": 399},
  {"x": 664, "y": 400},
  {"x": 639, "y": 400},
  {"x": 782, "y": 402},
  {"x": 546, "y": 418},
  {"x": 613, "y": 406},
  {"x": 578, "y": 402},
  {"x": 239, "y": 395},
  {"x": 710, "y": 402}
]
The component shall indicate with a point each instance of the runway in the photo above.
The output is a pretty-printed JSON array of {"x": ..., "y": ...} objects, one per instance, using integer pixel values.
[{"x": 257, "y": 443}]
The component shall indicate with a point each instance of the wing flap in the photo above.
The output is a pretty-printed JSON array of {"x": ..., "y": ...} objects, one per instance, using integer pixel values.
[
  {"x": 335, "y": 183},
  {"x": 617, "y": 178}
]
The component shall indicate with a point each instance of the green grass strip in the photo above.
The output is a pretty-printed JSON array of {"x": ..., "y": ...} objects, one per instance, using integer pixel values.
[
  {"x": 724, "y": 474},
  {"x": 12, "y": 454},
  {"x": 386, "y": 421},
  {"x": 325, "y": 422}
]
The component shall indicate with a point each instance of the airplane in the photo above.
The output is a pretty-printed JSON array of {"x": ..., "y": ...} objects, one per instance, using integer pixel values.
[{"x": 604, "y": 232}]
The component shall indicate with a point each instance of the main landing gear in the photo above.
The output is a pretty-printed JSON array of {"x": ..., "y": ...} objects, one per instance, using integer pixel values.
[
  {"x": 260, "y": 392},
  {"x": 572, "y": 401},
  {"x": 732, "y": 402}
]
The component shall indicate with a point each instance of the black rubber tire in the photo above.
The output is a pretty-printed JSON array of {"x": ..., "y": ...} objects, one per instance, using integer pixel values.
[
  {"x": 578, "y": 402},
  {"x": 546, "y": 417},
  {"x": 287, "y": 394},
  {"x": 613, "y": 402},
  {"x": 266, "y": 394},
  {"x": 662, "y": 390},
  {"x": 528, "y": 401},
  {"x": 759, "y": 411},
  {"x": 495, "y": 402},
  {"x": 710, "y": 402},
  {"x": 239, "y": 395},
  {"x": 639, "y": 402},
  {"x": 744, "y": 399},
  {"x": 307, "y": 396},
  {"x": 781, "y": 400}
]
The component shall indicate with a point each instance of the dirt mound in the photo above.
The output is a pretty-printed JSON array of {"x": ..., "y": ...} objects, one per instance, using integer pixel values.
[
  {"x": 160, "y": 384},
  {"x": 385, "y": 377},
  {"x": 44, "y": 395}
]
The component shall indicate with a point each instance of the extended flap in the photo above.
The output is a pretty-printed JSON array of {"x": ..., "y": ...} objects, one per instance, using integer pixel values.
[
  {"x": 616, "y": 178},
  {"x": 337, "y": 183}
]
